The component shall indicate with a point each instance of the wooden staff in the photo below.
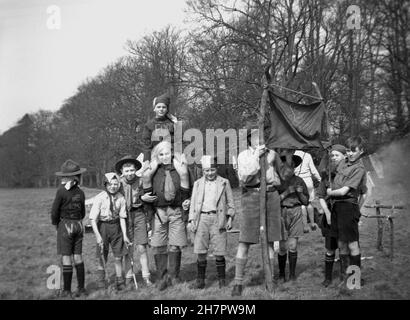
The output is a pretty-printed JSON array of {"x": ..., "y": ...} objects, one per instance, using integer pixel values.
[
  {"x": 262, "y": 198},
  {"x": 379, "y": 228}
]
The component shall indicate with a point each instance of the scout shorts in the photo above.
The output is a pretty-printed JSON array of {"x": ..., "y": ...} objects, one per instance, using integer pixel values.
[
  {"x": 345, "y": 221},
  {"x": 208, "y": 234},
  {"x": 168, "y": 228},
  {"x": 70, "y": 235},
  {"x": 137, "y": 227},
  {"x": 112, "y": 236},
  {"x": 292, "y": 222}
]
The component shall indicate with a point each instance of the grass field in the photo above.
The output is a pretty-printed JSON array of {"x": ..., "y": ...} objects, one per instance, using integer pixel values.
[{"x": 27, "y": 248}]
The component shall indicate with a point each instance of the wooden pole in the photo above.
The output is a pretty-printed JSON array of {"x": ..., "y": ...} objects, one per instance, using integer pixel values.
[
  {"x": 262, "y": 198},
  {"x": 391, "y": 238},
  {"x": 379, "y": 228}
]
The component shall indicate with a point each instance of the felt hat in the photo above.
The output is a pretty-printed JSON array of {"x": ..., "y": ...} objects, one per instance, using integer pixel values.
[
  {"x": 340, "y": 148},
  {"x": 127, "y": 158},
  {"x": 70, "y": 168},
  {"x": 164, "y": 98},
  {"x": 295, "y": 159}
]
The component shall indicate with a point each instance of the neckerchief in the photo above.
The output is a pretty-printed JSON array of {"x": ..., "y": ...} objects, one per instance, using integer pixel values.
[{"x": 128, "y": 184}]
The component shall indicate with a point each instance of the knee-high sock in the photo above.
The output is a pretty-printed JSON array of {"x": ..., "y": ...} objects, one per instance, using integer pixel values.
[
  {"x": 293, "y": 257},
  {"x": 282, "y": 264},
  {"x": 201, "y": 265},
  {"x": 239, "y": 270},
  {"x": 67, "y": 276},
  {"x": 80, "y": 271},
  {"x": 220, "y": 267},
  {"x": 329, "y": 261}
]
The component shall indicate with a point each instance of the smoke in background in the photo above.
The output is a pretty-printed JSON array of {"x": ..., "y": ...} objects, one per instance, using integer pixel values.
[{"x": 395, "y": 159}]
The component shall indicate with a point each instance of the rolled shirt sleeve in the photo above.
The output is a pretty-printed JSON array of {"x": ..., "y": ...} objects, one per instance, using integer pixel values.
[
  {"x": 354, "y": 180},
  {"x": 95, "y": 209},
  {"x": 123, "y": 208}
]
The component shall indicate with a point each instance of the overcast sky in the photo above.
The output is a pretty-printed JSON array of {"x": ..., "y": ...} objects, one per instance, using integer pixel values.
[{"x": 41, "y": 67}]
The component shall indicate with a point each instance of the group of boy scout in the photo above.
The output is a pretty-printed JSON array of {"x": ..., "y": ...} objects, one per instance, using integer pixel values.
[{"x": 159, "y": 196}]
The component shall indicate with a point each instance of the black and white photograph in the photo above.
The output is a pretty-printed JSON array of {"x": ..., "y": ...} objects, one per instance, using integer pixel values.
[{"x": 231, "y": 151}]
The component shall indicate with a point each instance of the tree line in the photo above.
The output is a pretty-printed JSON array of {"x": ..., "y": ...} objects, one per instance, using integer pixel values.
[{"x": 215, "y": 76}]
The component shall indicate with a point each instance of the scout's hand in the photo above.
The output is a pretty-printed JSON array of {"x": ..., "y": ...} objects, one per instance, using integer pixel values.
[
  {"x": 306, "y": 229},
  {"x": 270, "y": 156},
  {"x": 229, "y": 224},
  {"x": 180, "y": 164},
  {"x": 191, "y": 226},
  {"x": 99, "y": 240},
  {"x": 148, "y": 198},
  {"x": 328, "y": 220},
  {"x": 261, "y": 149},
  {"x": 127, "y": 241},
  {"x": 185, "y": 204},
  {"x": 328, "y": 191},
  {"x": 152, "y": 168}
]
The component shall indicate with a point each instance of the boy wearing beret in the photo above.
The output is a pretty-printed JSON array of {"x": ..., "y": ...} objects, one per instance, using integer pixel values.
[
  {"x": 210, "y": 216},
  {"x": 67, "y": 213},
  {"x": 349, "y": 182},
  {"x": 161, "y": 124},
  {"x": 337, "y": 156}
]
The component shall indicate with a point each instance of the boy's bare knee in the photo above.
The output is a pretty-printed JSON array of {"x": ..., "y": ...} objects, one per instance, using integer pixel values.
[
  {"x": 330, "y": 252},
  {"x": 293, "y": 244},
  {"x": 354, "y": 248},
  {"x": 283, "y": 248},
  {"x": 343, "y": 247},
  {"x": 66, "y": 260},
  {"x": 142, "y": 248},
  {"x": 78, "y": 258},
  {"x": 242, "y": 252}
]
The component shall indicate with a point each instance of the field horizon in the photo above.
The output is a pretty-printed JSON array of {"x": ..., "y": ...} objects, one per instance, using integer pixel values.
[{"x": 28, "y": 245}]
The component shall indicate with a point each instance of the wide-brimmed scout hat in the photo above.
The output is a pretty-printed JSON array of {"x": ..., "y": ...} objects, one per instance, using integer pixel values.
[
  {"x": 130, "y": 159},
  {"x": 70, "y": 168},
  {"x": 296, "y": 160}
]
